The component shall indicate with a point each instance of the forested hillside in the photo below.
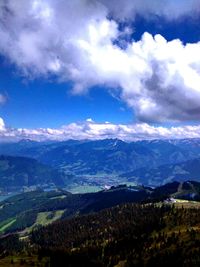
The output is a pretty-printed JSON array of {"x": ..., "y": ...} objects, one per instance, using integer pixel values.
[
  {"x": 16, "y": 172},
  {"x": 126, "y": 235},
  {"x": 26, "y": 211}
]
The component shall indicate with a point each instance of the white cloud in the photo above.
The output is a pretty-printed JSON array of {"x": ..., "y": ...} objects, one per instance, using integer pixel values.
[
  {"x": 89, "y": 120},
  {"x": 93, "y": 131},
  {"x": 2, "y": 126},
  {"x": 159, "y": 80}
]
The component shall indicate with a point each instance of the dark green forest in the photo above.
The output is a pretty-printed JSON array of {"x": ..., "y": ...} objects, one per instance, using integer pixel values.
[{"x": 125, "y": 235}]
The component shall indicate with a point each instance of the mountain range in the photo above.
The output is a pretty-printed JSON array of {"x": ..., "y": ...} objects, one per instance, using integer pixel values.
[
  {"x": 166, "y": 173},
  {"x": 108, "y": 161}
]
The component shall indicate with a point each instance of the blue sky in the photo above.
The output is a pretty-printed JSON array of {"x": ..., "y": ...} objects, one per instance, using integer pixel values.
[
  {"x": 115, "y": 63},
  {"x": 47, "y": 103}
]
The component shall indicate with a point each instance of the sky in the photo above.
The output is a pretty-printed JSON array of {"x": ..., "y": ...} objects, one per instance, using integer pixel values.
[{"x": 94, "y": 69}]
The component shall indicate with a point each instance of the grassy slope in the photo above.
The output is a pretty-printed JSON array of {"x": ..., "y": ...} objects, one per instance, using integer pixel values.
[
  {"x": 44, "y": 218},
  {"x": 6, "y": 224}
]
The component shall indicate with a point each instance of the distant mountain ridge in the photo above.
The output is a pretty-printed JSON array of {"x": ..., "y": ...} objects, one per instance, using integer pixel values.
[
  {"x": 106, "y": 156},
  {"x": 151, "y": 162},
  {"x": 166, "y": 173},
  {"x": 21, "y": 171}
]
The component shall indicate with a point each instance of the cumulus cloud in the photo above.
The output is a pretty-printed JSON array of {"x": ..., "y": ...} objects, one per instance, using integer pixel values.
[
  {"x": 76, "y": 41},
  {"x": 93, "y": 131}
]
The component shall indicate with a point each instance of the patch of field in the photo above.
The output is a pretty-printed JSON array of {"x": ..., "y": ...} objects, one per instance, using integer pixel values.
[
  {"x": 180, "y": 203},
  {"x": 44, "y": 218},
  {"x": 59, "y": 197},
  {"x": 81, "y": 189},
  {"x": 130, "y": 183},
  {"x": 187, "y": 204},
  {"x": 4, "y": 225}
]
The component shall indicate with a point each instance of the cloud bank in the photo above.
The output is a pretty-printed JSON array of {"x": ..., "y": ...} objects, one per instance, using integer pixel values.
[
  {"x": 76, "y": 41},
  {"x": 93, "y": 131}
]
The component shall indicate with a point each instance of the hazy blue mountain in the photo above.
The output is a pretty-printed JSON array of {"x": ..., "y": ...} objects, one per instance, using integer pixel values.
[
  {"x": 97, "y": 157},
  {"x": 166, "y": 173},
  {"x": 173, "y": 151},
  {"x": 33, "y": 149},
  {"x": 106, "y": 156},
  {"x": 191, "y": 145},
  {"x": 112, "y": 157},
  {"x": 21, "y": 171},
  {"x": 17, "y": 148}
]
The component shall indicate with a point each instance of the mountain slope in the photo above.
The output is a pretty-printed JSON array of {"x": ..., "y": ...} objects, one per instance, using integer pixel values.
[
  {"x": 126, "y": 235},
  {"x": 112, "y": 161},
  {"x": 104, "y": 156},
  {"x": 24, "y": 210},
  {"x": 189, "y": 170},
  {"x": 38, "y": 207},
  {"x": 21, "y": 171}
]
